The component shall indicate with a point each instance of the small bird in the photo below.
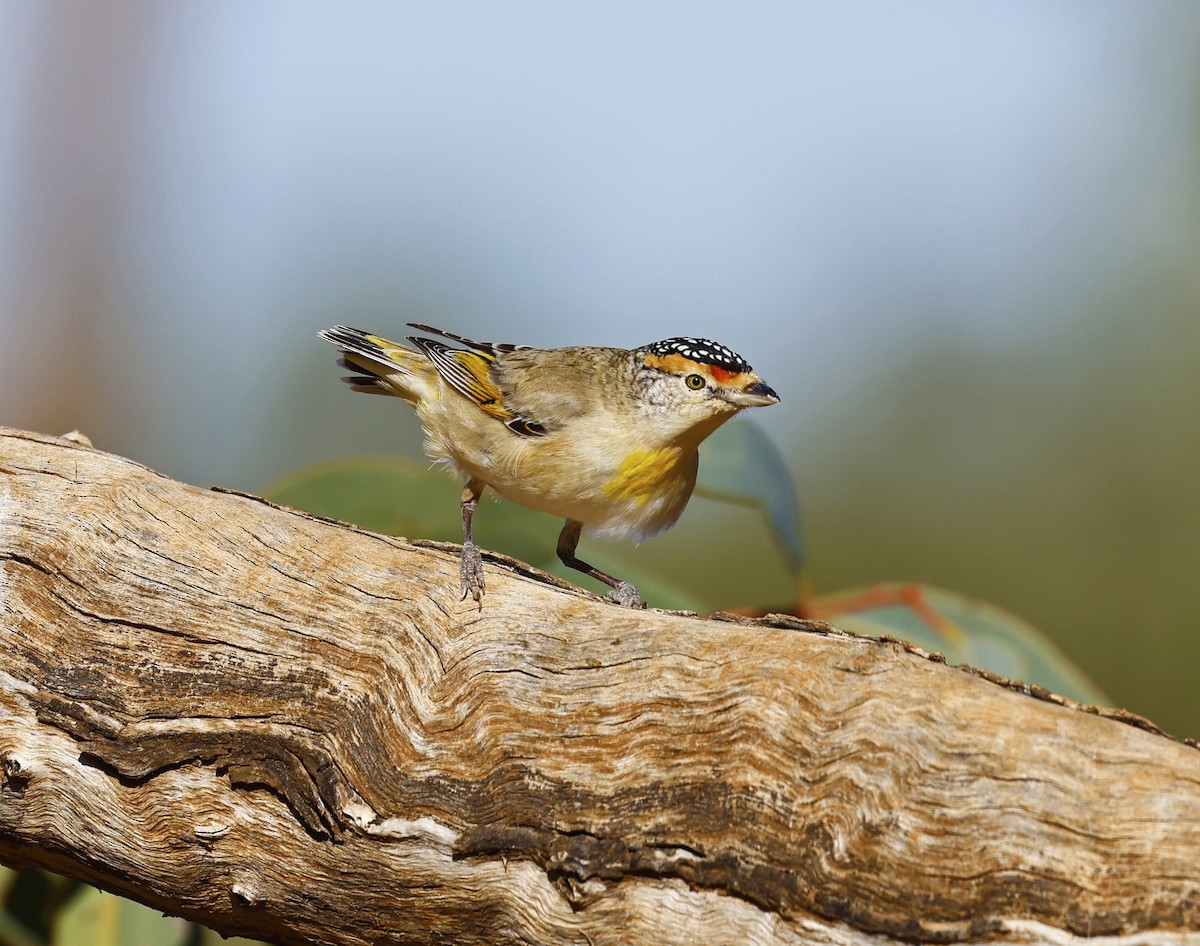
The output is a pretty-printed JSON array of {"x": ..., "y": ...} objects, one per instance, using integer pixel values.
[{"x": 605, "y": 438}]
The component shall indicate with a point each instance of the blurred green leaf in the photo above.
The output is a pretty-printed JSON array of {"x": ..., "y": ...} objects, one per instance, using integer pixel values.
[
  {"x": 207, "y": 937},
  {"x": 8, "y": 877},
  {"x": 13, "y": 932},
  {"x": 95, "y": 918},
  {"x": 965, "y": 630},
  {"x": 32, "y": 900},
  {"x": 385, "y": 494},
  {"x": 741, "y": 464}
]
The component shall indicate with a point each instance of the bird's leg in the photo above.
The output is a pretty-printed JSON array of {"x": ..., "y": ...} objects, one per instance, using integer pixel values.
[
  {"x": 471, "y": 569},
  {"x": 623, "y": 593}
]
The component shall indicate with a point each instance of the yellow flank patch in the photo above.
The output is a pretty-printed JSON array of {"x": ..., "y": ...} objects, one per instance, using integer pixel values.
[{"x": 642, "y": 474}]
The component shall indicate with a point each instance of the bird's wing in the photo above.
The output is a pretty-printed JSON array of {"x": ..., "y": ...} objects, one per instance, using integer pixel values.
[
  {"x": 470, "y": 374},
  {"x": 553, "y": 387},
  {"x": 487, "y": 348}
]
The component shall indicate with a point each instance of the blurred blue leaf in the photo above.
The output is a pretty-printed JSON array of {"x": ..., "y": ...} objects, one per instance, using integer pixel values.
[{"x": 741, "y": 464}]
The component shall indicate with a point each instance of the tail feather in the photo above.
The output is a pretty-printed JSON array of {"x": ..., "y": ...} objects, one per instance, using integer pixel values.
[
  {"x": 354, "y": 341},
  {"x": 381, "y": 366},
  {"x": 364, "y": 382}
]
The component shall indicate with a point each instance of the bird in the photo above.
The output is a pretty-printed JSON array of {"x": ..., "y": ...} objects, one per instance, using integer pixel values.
[{"x": 604, "y": 438}]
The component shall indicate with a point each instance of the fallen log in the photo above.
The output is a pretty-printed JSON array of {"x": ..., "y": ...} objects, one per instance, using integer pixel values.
[{"x": 289, "y": 728}]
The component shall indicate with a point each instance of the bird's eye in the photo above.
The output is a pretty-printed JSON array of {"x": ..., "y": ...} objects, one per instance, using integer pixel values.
[{"x": 694, "y": 381}]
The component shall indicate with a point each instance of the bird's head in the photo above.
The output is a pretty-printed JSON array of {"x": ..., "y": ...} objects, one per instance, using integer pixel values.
[{"x": 699, "y": 383}]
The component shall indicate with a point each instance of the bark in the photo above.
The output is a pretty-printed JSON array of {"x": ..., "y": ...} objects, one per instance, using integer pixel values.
[{"x": 289, "y": 728}]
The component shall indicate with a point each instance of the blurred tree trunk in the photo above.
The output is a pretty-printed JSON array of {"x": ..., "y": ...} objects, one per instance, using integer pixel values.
[
  {"x": 292, "y": 729},
  {"x": 77, "y": 170}
]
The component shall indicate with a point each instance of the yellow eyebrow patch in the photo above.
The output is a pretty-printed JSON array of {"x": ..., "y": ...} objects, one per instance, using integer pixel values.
[
  {"x": 642, "y": 474},
  {"x": 672, "y": 364},
  {"x": 678, "y": 364}
]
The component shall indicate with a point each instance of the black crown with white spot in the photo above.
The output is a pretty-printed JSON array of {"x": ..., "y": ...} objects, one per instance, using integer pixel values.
[{"x": 703, "y": 350}]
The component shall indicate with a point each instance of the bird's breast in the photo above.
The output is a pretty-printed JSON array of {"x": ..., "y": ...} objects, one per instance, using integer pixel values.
[
  {"x": 644, "y": 475},
  {"x": 647, "y": 492}
]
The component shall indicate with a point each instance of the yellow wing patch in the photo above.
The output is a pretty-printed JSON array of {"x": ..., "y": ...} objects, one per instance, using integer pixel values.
[
  {"x": 470, "y": 374},
  {"x": 642, "y": 475},
  {"x": 477, "y": 384}
]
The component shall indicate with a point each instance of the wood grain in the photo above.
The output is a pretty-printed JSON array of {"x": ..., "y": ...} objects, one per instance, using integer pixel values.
[{"x": 292, "y": 729}]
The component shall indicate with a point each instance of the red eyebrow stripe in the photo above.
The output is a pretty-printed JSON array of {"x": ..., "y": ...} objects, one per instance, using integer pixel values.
[{"x": 719, "y": 374}]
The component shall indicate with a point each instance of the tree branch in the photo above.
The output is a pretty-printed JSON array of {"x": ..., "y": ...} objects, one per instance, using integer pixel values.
[{"x": 289, "y": 728}]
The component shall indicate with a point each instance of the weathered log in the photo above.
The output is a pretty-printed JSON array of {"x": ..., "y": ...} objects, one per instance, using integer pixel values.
[{"x": 289, "y": 728}]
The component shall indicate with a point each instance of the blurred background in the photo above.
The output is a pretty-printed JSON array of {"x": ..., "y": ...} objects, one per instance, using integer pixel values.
[{"x": 961, "y": 240}]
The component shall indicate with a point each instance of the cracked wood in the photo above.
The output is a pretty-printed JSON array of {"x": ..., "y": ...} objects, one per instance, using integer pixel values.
[{"x": 293, "y": 729}]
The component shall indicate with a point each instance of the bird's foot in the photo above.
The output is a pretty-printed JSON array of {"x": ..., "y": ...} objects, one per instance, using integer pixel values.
[
  {"x": 626, "y": 596},
  {"x": 471, "y": 573}
]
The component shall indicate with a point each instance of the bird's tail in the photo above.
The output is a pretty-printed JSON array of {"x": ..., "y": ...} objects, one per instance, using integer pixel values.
[{"x": 380, "y": 366}]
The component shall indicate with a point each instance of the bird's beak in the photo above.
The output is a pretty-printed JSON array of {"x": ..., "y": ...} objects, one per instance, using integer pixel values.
[{"x": 756, "y": 394}]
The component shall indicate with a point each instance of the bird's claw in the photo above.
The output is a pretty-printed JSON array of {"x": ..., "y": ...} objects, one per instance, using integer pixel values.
[
  {"x": 471, "y": 573},
  {"x": 626, "y": 595}
]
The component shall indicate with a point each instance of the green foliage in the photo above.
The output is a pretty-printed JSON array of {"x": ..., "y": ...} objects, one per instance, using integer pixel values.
[
  {"x": 965, "y": 630},
  {"x": 44, "y": 909},
  {"x": 95, "y": 918},
  {"x": 32, "y": 899}
]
